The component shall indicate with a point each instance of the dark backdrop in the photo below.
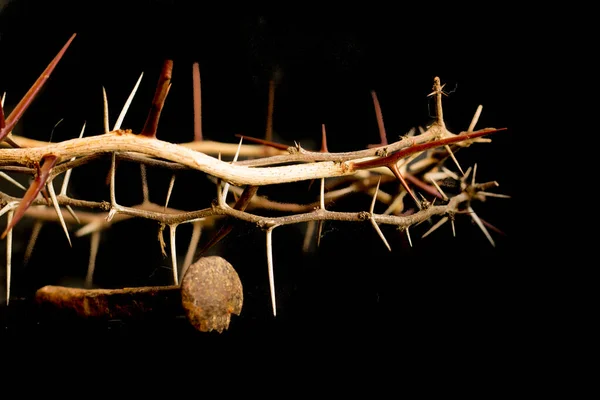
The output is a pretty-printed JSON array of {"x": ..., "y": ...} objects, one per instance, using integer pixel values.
[{"x": 327, "y": 63}]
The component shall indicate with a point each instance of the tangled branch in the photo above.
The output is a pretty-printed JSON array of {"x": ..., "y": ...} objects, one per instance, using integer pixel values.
[{"x": 416, "y": 162}]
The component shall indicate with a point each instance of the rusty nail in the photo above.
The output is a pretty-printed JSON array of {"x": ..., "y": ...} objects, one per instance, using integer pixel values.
[{"x": 209, "y": 293}]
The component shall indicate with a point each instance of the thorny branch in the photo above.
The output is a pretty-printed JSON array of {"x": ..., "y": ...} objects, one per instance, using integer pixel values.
[{"x": 416, "y": 162}]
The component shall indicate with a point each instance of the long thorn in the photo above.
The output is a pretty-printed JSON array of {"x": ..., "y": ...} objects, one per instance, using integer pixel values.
[
  {"x": 94, "y": 245},
  {"x": 310, "y": 229},
  {"x": 127, "y": 104},
  {"x": 162, "y": 89},
  {"x": 270, "y": 107},
  {"x": 371, "y": 210},
  {"x": 191, "y": 251},
  {"x": 113, "y": 167},
  {"x": 197, "y": 91},
  {"x": 375, "y": 196},
  {"x": 439, "y": 189},
  {"x": 31, "y": 194},
  {"x": 382, "y": 134},
  {"x": 481, "y": 225},
  {"x": 323, "y": 139},
  {"x": 408, "y": 236},
  {"x": 434, "y": 227},
  {"x": 378, "y": 230},
  {"x": 235, "y": 157},
  {"x": 396, "y": 172},
  {"x": 65, "y": 183},
  {"x": 35, "y": 232},
  {"x": 320, "y": 232},
  {"x": 172, "y": 229},
  {"x": 11, "y": 180},
  {"x": 322, "y": 194},
  {"x": 25, "y": 102},
  {"x": 2, "y": 120},
  {"x": 50, "y": 186},
  {"x": 449, "y": 150},
  {"x": 170, "y": 190},
  {"x": 270, "y": 269},
  {"x": 145, "y": 190},
  {"x": 105, "y": 103},
  {"x": 418, "y": 148},
  {"x": 475, "y": 118},
  {"x": 72, "y": 212},
  {"x": 8, "y": 256}
]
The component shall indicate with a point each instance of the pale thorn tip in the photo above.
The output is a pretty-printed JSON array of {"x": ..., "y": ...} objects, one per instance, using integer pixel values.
[
  {"x": 192, "y": 246},
  {"x": 449, "y": 150},
  {"x": 453, "y": 227},
  {"x": 434, "y": 227},
  {"x": 105, "y": 102},
  {"x": 270, "y": 269},
  {"x": 467, "y": 173},
  {"x": 170, "y": 190},
  {"x": 172, "y": 235},
  {"x": 453, "y": 175},
  {"x": 72, "y": 212},
  {"x": 113, "y": 167},
  {"x": 408, "y": 236},
  {"x": 439, "y": 189},
  {"x": 378, "y": 230},
  {"x": 65, "y": 183},
  {"x": 50, "y": 186},
  {"x": 474, "y": 173},
  {"x": 127, "y": 104},
  {"x": 94, "y": 245},
  {"x": 375, "y": 196},
  {"x": 475, "y": 118},
  {"x": 488, "y": 194},
  {"x": 35, "y": 232},
  {"x": 12, "y": 180},
  {"x": 322, "y": 194},
  {"x": 371, "y": 210},
  {"x": 8, "y": 256},
  {"x": 320, "y": 232},
  {"x": 94, "y": 226},
  {"x": 310, "y": 229},
  {"x": 235, "y": 158},
  {"x": 481, "y": 225},
  {"x": 11, "y": 205}
]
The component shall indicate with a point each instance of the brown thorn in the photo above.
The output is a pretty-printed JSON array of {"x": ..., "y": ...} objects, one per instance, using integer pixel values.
[
  {"x": 2, "y": 121},
  {"x": 408, "y": 151},
  {"x": 197, "y": 102},
  {"x": 396, "y": 172},
  {"x": 162, "y": 89},
  {"x": 323, "y": 139},
  {"x": 40, "y": 180},
  {"x": 269, "y": 130},
  {"x": 25, "y": 102},
  {"x": 263, "y": 141},
  {"x": 382, "y": 135}
]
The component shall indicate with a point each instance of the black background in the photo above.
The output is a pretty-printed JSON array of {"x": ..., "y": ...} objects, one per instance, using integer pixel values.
[{"x": 443, "y": 287}]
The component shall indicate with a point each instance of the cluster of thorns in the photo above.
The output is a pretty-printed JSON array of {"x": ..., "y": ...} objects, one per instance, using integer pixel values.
[{"x": 416, "y": 161}]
